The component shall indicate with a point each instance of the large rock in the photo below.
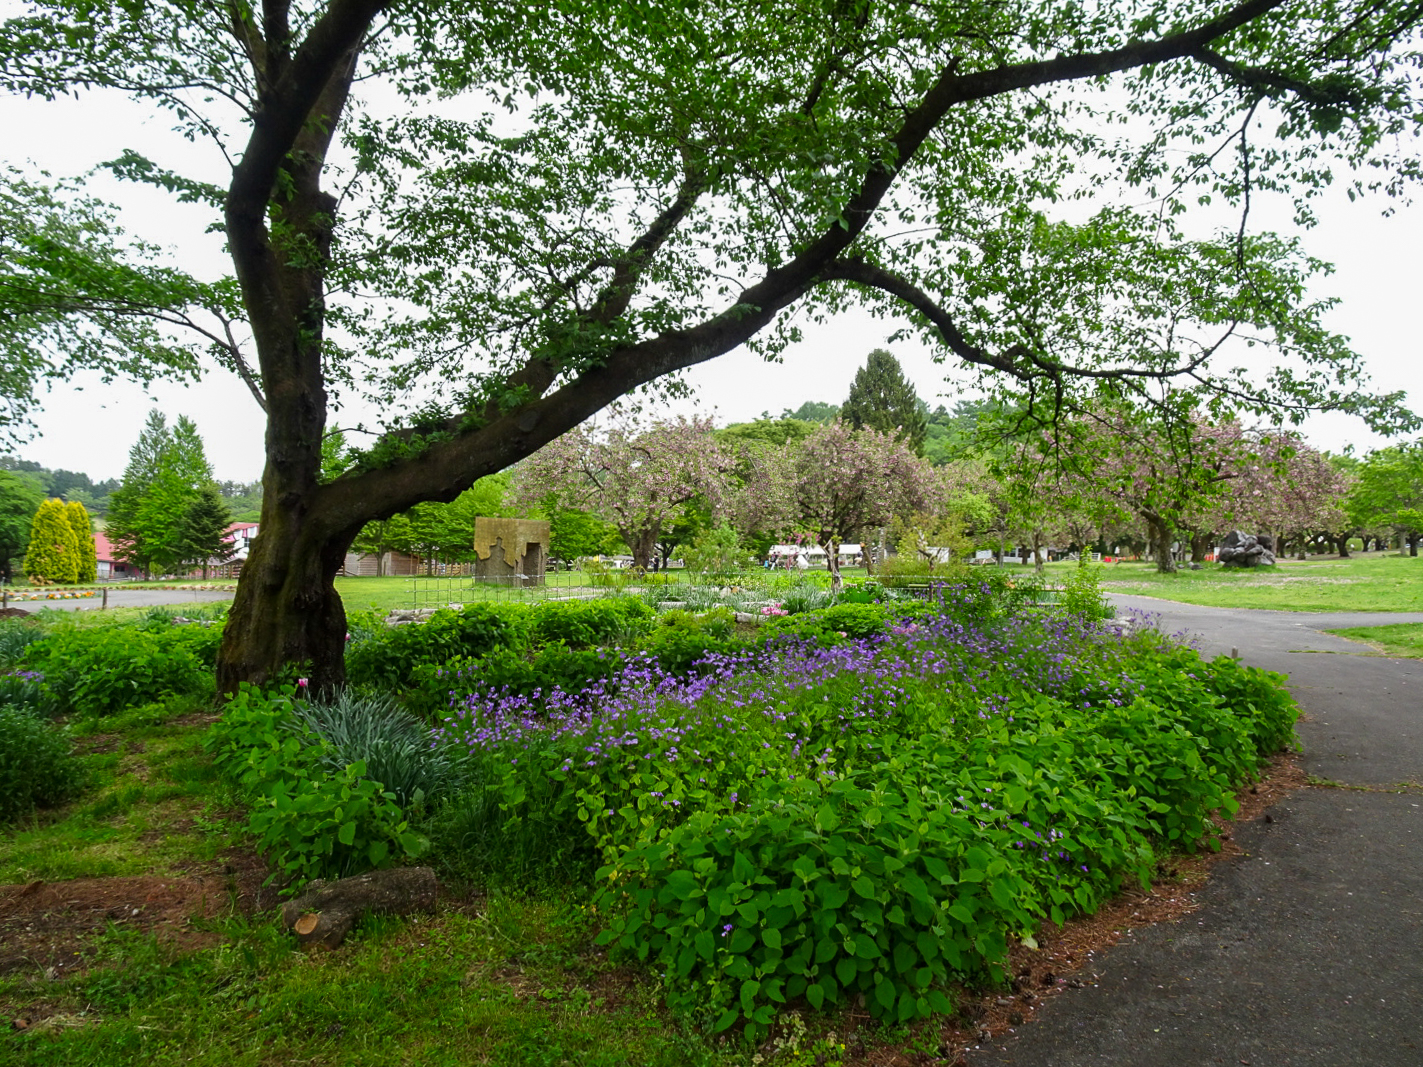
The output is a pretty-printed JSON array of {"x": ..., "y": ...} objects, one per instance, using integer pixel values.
[{"x": 1241, "y": 549}]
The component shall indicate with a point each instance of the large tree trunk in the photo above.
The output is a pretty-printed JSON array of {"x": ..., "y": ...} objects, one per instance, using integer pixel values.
[
  {"x": 287, "y": 610},
  {"x": 1341, "y": 543},
  {"x": 1200, "y": 543},
  {"x": 643, "y": 544},
  {"x": 1159, "y": 532}
]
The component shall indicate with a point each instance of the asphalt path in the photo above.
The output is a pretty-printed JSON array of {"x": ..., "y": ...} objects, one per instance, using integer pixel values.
[
  {"x": 1309, "y": 949},
  {"x": 129, "y": 598}
]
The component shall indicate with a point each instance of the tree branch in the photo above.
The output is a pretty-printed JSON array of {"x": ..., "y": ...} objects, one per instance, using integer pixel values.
[
  {"x": 447, "y": 467},
  {"x": 860, "y": 272},
  {"x": 1269, "y": 84}
]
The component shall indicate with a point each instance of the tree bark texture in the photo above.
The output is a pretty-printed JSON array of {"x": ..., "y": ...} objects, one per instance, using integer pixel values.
[{"x": 327, "y": 911}]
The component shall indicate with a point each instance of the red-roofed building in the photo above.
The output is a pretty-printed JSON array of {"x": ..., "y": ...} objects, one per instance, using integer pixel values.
[{"x": 109, "y": 568}]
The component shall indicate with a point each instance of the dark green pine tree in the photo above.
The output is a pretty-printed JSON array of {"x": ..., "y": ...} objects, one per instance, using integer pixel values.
[
  {"x": 202, "y": 532},
  {"x": 125, "y": 529},
  {"x": 882, "y": 399}
]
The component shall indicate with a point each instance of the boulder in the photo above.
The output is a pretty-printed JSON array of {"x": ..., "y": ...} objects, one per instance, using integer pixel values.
[{"x": 1240, "y": 549}]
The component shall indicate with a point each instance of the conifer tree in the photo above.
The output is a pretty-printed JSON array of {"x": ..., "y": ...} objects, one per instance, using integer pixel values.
[
  {"x": 53, "y": 555},
  {"x": 83, "y": 527},
  {"x": 144, "y": 458},
  {"x": 882, "y": 399},
  {"x": 202, "y": 537},
  {"x": 166, "y": 473}
]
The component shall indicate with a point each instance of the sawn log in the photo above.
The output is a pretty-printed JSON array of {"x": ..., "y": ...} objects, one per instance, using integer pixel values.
[{"x": 327, "y": 911}]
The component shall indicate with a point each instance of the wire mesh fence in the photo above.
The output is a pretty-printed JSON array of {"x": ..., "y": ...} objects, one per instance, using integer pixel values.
[
  {"x": 749, "y": 590},
  {"x": 752, "y": 589}
]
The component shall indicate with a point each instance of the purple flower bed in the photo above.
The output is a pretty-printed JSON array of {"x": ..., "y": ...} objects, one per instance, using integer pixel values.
[{"x": 877, "y": 816}]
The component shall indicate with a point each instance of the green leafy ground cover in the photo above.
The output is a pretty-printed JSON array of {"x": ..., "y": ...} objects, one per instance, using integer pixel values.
[
  {"x": 1372, "y": 582},
  {"x": 642, "y": 848}
]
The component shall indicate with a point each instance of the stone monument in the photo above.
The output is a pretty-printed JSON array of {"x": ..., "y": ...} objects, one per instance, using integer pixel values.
[
  {"x": 1244, "y": 550},
  {"x": 511, "y": 551}
]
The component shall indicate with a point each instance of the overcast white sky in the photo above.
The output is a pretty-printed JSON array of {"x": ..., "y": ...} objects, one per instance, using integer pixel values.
[{"x": 90, "y": 427}]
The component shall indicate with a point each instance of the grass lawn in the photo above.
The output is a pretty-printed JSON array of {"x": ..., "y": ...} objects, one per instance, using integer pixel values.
[
  {"x": 116, "y": 970},
  {"x": 1373, "y": 582},
  {"x": 1404, "y": 641},
  {"x": 149, "y": 808}
]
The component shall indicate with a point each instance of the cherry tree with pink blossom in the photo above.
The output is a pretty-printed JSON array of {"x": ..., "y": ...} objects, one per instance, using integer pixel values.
[
  {"x": 839, "y": 481},
  {"x": 639, "y": 478}
]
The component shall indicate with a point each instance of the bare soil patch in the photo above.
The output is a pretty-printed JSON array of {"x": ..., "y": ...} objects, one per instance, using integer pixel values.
[{"x": 49, "y": 927}]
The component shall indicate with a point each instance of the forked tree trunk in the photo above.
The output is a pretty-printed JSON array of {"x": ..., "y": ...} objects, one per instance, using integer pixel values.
[{"x": 287, "y": 610}]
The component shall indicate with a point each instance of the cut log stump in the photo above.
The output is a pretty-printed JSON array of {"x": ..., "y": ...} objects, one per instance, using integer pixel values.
[{"x": 327, "y": 911}]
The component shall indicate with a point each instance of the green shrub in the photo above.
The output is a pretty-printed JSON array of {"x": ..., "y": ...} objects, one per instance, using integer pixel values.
[
  {"x": 388, "y": 659},
  {"x": 680, "y": 638},
  {"x": 53, "y": 552},
  {"x": 101, "y": 671},
  {"x": 822, "y": 893},
  {"x": 331, "y": 826},
  {"x": 87, "y": 567},
  {"x": 37, "y": 768},
  {"x": 717, "y": 555},
  {"x": 955, "y": 833},
  {"x": 677, "y": 650},
  {"x": 585, "y": 623},
  {"x": 838, "y": 622},
  {"x": 203, "y": 641},
  {"x": 309, "y": 823},
  {"x": 253, "y": 721},
  {"x": 1082, "y": 594},
  {"x": 1257, "y": 697}
]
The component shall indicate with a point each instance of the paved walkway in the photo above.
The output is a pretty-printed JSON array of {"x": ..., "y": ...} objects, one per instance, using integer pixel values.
[
  {"x": 128, "y": 598},
  {"x": 1310, "y": 950}
]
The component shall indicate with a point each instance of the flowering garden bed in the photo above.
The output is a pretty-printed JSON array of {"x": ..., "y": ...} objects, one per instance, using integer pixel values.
[
  {"x": 868, "y": 809},
  {"x": 54, "y": 594}
]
